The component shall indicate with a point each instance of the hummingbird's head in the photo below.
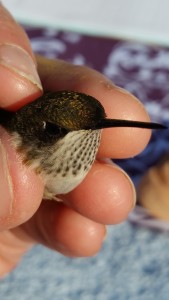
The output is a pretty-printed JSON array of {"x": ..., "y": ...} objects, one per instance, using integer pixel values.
[
  {"x": 71, "y": 110},
  {"x": 54, "y": 114}
]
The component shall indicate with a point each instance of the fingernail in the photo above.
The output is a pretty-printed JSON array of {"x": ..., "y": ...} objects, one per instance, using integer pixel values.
[
  {"x": 122, "y": 90},
  {"x": 19, "y": 61},
  {"x": 130, "y": 181},
  {"x": 127, "y": 93},
  {"x": 6, "y": 189},
  {"x": 132, "y": 188}
]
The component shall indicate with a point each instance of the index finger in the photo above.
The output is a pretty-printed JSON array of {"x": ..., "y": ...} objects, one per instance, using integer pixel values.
[
  {"x": 118, "y": 104},
  {"x": 123, "y": 142}
]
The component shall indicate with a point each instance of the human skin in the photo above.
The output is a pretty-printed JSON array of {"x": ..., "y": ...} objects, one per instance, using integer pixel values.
[{"x": 76, "y": 226}]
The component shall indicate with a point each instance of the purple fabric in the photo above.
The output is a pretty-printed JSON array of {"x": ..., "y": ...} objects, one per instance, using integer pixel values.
[{"x": 141, "y": 69}]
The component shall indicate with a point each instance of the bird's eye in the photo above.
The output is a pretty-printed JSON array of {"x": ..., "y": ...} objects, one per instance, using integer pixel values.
[{"x": 53, "y": 130}]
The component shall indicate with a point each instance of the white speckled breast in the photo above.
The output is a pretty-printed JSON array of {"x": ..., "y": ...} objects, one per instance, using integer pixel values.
[
  {"x": 70, "y": 161},
  {"x": 65, "y": 164}
]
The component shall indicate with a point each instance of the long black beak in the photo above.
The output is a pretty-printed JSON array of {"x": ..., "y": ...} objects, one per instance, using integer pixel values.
[{"x": 108, "y": 123}]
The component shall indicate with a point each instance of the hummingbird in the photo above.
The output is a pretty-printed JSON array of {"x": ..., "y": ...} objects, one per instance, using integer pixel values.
[{"x": 58, "y": 135}]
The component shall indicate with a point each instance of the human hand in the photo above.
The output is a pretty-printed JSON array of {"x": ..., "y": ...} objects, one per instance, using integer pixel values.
[{"x": 75, "y": 227}]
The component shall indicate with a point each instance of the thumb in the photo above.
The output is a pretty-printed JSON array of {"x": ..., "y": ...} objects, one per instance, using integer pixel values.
[
  {"x": 19, "y": 82},
  {"x": 21, "y": 189}
]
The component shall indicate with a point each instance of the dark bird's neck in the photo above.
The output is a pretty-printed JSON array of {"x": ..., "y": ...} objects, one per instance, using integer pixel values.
[{"x": 5, "y": 117}]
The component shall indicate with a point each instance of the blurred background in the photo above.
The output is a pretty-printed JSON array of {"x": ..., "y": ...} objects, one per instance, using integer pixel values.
[
  {"x": 127, "y": 40},
  {"x": 143, "y": 20}
]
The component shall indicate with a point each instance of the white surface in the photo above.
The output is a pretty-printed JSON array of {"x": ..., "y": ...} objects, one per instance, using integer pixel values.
[{"x": 144, "y": 20}]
